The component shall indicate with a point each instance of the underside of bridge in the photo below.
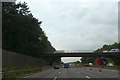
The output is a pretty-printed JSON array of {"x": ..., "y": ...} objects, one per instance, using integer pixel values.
[{"x": 55, "y": 58}]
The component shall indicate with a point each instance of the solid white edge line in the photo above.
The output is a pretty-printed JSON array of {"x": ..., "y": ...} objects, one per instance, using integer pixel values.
[
  {"x": 59, "y": 72},
  {"x": 55, "y": 78},
  {"x": 87, "y": 77}
]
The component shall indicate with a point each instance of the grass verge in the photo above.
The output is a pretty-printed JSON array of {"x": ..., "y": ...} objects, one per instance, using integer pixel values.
[{"x": 29, "y": 71}]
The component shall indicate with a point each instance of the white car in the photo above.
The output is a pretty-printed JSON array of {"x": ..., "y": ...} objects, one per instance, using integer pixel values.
[
  {"x": 110, "y": 64},
  {"x": 114, "y": 50}
]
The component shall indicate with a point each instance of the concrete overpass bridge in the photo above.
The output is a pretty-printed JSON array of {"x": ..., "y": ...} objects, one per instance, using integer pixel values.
[
  {"x": 58, "y": 55},
  {"x": 83, "y": 54}
]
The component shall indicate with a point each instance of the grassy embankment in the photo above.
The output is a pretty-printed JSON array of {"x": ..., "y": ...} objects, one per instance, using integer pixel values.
[
  {"x": 116, "y": 67},
  {"x": 22, "y": 71}
]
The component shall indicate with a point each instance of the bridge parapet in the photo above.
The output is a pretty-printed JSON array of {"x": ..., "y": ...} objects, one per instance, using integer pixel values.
[
  {"x": 84, "y": 54},
  {"x": 73, "y": 51},
  {"x": 78, "y": 51}
]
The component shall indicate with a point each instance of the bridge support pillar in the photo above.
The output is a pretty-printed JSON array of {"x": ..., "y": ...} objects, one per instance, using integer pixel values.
[{"x": 55, "y": 60}]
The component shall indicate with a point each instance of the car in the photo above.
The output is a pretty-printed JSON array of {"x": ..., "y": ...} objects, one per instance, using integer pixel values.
[
  {"x": 110, "y": 65},
  {"x": 66, "y": 65},
  {"x": 114, "y": 50},
  {"x": 90, "y": 64},
  {"x": 56, "y": 67}
]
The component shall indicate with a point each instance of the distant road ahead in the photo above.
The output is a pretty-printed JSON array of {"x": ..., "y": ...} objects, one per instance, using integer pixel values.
[{"x": 76, "y": 73}]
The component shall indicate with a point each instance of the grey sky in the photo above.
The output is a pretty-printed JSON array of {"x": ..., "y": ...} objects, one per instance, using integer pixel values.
[{"x": 77, "y": 25}]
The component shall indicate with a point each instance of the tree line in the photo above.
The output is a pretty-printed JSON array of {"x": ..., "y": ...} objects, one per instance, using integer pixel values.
[
  {"x": 115, "y": 60},
  {"x": 21, "y": 31}
]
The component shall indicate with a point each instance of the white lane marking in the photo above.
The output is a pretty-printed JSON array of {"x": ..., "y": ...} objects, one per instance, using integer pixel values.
[
  {"x": 55, "y": 78},
  {"x": 59, "y": 72},
  {"x": 87, "y": 77}
]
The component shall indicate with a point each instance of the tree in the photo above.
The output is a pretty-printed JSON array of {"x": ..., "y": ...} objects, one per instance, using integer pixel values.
[
  {"x": 109, "y": 47},
  {"x": 21, "y": 31},
  {"x": 116, "y": 59},
  {"x": 86, "y": 60}
]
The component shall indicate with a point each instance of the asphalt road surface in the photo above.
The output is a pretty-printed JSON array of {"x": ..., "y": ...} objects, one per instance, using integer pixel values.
[{"x": 76, "y": 73}]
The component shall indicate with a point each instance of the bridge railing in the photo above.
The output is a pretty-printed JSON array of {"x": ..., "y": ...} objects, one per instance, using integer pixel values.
[
  {"x": 77, "y": 51},
  {"x": 84, "y": 54}
]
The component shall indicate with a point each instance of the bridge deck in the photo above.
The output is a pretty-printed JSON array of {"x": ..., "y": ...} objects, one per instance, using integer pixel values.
[{"x": 84, "y": 54}]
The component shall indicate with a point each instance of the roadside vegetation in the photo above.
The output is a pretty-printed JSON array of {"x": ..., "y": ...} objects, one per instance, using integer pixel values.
[
  {"x": 22, "y": 71},
  {"x": 21, "y": 31},
  {"x": 81, "y": 65},
  {"x": 113, "y": 60},
  {"x": 22, "y": 67}
]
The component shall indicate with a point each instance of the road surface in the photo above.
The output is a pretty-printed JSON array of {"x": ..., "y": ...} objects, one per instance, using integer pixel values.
[{"x": 76, "y": 73}]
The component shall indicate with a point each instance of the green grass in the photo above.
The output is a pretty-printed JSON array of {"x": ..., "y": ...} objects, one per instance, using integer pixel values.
[
  {"x": 103, "y": 67},
  {"x": 15, "y": 67},
  {"x": 0, "y": 68},
  {"x": 32, "y": 70},
  {"x": 22, "y": 74},
  {"x": 111, "y": 68}
]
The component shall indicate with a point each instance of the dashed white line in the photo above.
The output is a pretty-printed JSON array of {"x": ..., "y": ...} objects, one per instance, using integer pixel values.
[
  {"x": 55, "y": 78},
  {"x": 87, "y": 77}
]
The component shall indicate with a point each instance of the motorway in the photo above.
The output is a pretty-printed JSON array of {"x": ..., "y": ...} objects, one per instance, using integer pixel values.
[{"x": 76, "y": 73}]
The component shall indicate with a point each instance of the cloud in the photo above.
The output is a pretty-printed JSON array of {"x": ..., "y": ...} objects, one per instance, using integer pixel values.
[
  {"x": 77, "y": 25},
  {"x": 70, "y": 59}
]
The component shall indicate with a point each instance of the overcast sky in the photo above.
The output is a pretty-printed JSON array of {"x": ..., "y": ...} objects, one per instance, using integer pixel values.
[{"x": 77, "y": 25}]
